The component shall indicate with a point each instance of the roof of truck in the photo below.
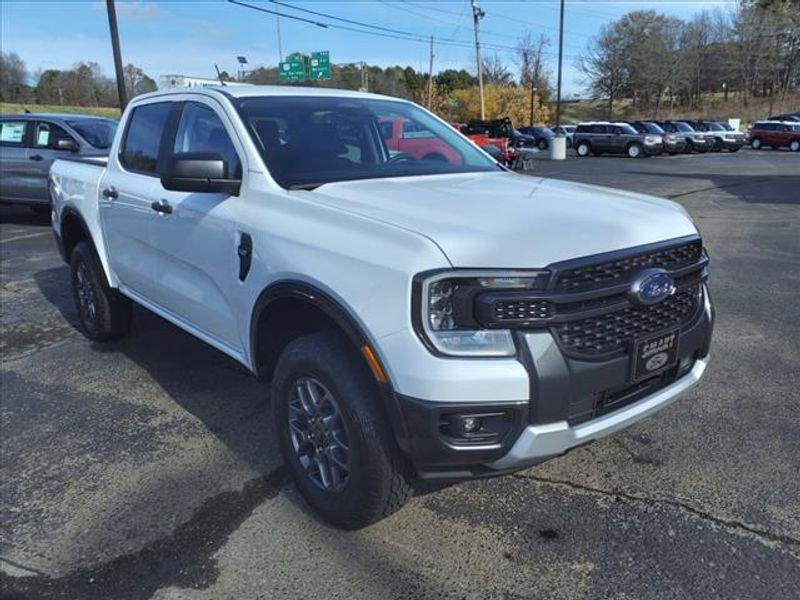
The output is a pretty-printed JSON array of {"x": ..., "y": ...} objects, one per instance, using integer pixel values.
[{"x": 249, "y": 91}]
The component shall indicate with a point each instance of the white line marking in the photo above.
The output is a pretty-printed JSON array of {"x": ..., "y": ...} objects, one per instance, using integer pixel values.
[{"x": 24, "y": 237}]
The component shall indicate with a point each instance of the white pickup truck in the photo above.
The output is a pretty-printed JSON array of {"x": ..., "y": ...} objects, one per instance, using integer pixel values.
[{"x": 426, "y": 316}]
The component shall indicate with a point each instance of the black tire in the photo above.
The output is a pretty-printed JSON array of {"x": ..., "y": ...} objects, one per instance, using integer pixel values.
[
  {"x": 794, "y": 145},
  {"x": 103, "y": 312},
  {"x": 756, "y": 144},
  {"x": 542, "y": 144},
  {"x": 378, "y": 480},
  {"x": 583, "y": 148}
]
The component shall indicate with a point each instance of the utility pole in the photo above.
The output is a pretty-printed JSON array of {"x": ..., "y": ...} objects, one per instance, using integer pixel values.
[
  {"x": 112, "y": 25},
  {"x": 430, "y": 77},
  {"x": 278, "y": 27},
  {"x": 477, "y": 15},
  {"x": 560, "y": 52}
]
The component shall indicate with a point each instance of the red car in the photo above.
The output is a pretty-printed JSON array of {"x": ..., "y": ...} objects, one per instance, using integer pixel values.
[
  {"x": 775, "y": 134},
  {"x": 410, "y": 138},
  {"x": 489, "y": 136}
]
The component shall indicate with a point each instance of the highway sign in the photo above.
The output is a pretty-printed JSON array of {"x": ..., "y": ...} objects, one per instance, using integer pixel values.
[
  {"x": 292, "y": 69},
  {"x": 320, "y": 65}
]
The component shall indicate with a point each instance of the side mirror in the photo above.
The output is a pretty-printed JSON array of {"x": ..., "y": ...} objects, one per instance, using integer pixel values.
[
  {"x": 205, "y": 172},
  {"x": 67, "y": 144}
]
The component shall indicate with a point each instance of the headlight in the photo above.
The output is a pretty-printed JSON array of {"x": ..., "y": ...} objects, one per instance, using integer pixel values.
[
  {"x": 446, "y": 310},
  {"x": 651, "y": 139}
]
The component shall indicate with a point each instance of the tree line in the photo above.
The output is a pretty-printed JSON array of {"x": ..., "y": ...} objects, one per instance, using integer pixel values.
[
  {"x": 654, "y": 60},
  {"x": 82, "y": 85}
]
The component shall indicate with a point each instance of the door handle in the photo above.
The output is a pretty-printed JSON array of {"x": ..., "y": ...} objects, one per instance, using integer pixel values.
[
  {"x": 110, "y": 193},
  {"x": 36, "y": 157},
  {"x": 162, "y": 206}
]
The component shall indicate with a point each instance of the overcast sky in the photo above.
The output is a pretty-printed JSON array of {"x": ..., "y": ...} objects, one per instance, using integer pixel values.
[{"x": 189, "y": 36}]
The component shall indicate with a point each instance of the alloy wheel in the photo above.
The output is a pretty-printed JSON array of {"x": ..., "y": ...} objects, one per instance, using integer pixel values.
[
  {"x": 86, "y": 295},
  {"x": 318, "y": 435}
]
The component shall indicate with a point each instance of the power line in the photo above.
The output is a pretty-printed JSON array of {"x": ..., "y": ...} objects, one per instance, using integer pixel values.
[
  {"x": 494, "y": 15},
  {"x": 398, "y": 34}
]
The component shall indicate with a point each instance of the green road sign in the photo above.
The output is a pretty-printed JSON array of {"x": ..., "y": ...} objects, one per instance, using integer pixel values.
[
  {"x": 320, "y": 66},
  {"x": 293, "y": 69}
]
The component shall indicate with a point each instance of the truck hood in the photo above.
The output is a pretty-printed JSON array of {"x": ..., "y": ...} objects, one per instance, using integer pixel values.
[{"x": 505, "y": 220}]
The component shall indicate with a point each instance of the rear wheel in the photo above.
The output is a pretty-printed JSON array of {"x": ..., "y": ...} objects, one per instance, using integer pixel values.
[
  {"x": 104, "y": 313},
  {"x": 794, "y": 146},
  {"x": 583, "y": 149},
  {"x": 542, "y": 144},
  {"x": 755, "y": 143},
  {"x": 635, "y": 150},
  {"x": 333, "y": 434},
  {"x": 718, "y": 145}
]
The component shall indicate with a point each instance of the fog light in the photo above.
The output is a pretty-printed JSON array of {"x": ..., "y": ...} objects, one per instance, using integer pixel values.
[{"x": 470, "y": 424}]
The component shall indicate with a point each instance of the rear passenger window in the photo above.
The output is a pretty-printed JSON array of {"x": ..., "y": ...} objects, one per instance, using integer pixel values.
[
  {"x": 201, "y": 130},
  {"x": 12, "y": 133},
  {"x": 143, "y": 137}
]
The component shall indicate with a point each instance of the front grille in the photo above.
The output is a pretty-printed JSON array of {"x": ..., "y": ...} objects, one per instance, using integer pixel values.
[
  {"x": 522, "y": 310},
  {"x": 613, "y": 331},
  {"x": 610, "y": 272}
]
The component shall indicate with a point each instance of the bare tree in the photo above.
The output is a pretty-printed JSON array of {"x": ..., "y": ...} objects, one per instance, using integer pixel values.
[
  {"x": 13, "y": 78},
  {"x": 495, "y": 71},
  {"x": 604, "y": 67}
]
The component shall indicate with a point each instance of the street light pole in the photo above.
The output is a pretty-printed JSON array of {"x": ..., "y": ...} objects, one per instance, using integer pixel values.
[
  {"x": 560, "y": 52},
  {"x": 477, "y": 15},
  {"x": 430, "y": 77},
  {"x": 112, "y": 25}
]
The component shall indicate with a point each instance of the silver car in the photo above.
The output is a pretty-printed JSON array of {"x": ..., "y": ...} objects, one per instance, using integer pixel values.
[{"x": 29, "y": 143}]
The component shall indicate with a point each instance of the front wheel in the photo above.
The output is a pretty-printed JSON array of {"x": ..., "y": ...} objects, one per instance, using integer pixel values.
[
  {"x": 583, "y": 149},
  {"x": 755, "y": 144},
  {"x": 635, "y": 151},
  {"x": 103, "y": 312},
  {"x": 333, "y": 434}
]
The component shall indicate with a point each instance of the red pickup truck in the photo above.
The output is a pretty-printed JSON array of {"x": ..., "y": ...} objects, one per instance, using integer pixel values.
[
  {"x": 403, "y": 135},
  {"x": 491, "y": 136}
]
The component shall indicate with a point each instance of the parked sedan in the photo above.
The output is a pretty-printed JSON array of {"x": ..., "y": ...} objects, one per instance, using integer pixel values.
[
  {"x": 29, "y": 143},
  {"x": 540, "y": 133},
  {"x": 673, "y": 143}
]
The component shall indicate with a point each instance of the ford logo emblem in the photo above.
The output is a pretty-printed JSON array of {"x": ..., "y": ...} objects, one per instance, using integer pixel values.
[{"x": 652, "y": 286}]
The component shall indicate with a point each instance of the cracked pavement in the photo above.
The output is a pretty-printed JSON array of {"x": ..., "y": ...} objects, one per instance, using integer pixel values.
[{"x": 146, "y": 468}]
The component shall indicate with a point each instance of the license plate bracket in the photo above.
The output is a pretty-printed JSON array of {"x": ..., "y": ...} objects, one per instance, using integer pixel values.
[{"x": 654, "y": 354}]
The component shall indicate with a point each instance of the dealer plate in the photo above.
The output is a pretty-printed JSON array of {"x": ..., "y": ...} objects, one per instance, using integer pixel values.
[{"x": 654, "y": 354}]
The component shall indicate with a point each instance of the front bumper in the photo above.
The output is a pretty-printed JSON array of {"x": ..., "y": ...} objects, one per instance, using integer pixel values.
[
  {"x": 653, "y": 149},
  {"x": 538, "y": 442},
  {"x": 570, "y": 402}
]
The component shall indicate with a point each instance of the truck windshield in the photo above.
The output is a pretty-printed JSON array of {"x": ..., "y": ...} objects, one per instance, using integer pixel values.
[
  {"x": 98, "y": 132},
  {"x": 683, "y": 127},
  {"x": 310, "y": 141}
]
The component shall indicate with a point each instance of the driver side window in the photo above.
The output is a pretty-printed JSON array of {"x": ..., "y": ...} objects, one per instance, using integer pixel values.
[{"x": 201, "y": 130}]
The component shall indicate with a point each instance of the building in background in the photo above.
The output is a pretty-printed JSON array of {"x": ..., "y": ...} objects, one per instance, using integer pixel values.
[{"x": 166, "y": 82}]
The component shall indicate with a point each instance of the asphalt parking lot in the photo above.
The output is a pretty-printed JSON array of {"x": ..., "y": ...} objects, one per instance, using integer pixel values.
[{"x": 146, "y": 467}]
